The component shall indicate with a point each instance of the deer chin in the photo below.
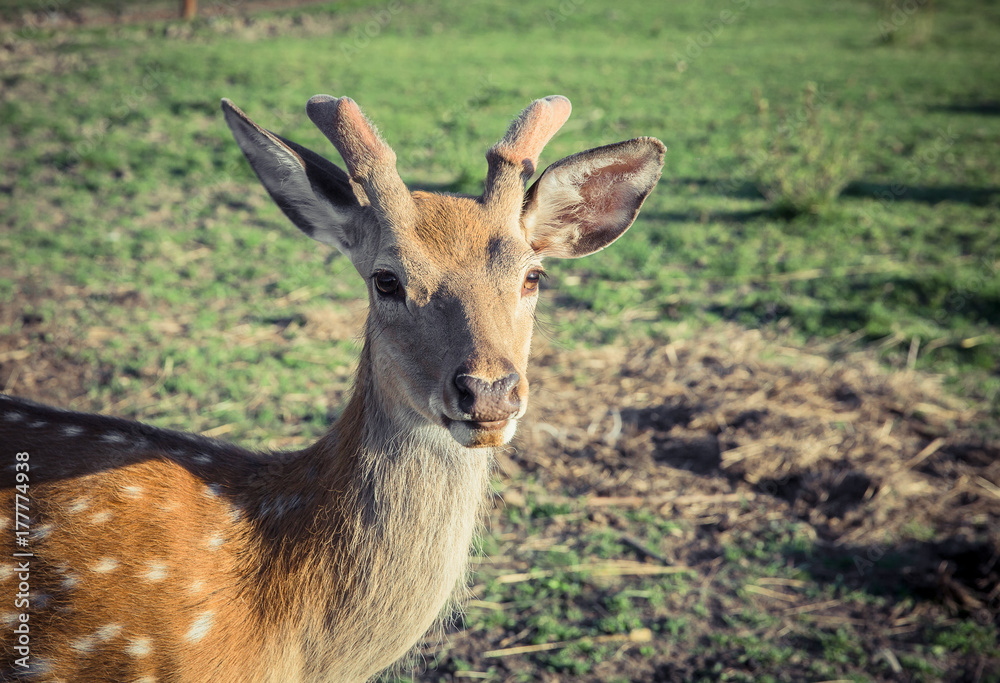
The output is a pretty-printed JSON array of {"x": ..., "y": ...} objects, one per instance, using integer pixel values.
[{"x": 483, "y": 434}]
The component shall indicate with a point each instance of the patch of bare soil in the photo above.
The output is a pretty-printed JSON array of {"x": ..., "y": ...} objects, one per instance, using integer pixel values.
[
  {"x": 41, "y": 360},
  {"x": 853, "y": 450}
]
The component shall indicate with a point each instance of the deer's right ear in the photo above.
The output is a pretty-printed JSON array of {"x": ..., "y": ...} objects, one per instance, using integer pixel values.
[
  {"x": 586, "y": 201},
  {"x": 314, "y": 193}
]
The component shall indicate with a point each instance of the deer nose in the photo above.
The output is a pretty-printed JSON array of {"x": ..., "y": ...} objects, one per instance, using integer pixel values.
[{"x": 486, "y": 401}]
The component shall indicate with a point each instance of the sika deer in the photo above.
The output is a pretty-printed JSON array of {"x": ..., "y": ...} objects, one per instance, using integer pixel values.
[{"x": 161, "y": 556}]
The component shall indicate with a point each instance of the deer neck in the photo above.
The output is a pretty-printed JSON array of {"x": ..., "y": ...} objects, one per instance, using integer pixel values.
[{"x": 392, "y": 537}]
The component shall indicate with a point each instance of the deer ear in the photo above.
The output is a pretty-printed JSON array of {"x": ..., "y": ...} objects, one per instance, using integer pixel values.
[
  {"x": 586, "y": 201},
  {"x": 315, "y": 194}
]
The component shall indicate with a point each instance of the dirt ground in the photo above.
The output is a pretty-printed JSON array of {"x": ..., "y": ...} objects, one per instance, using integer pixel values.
[{"x": 847, "y": 446}]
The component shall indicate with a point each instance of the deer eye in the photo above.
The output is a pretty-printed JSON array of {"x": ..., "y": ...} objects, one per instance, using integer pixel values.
[
  {"x": 531, "y": 281},
  {"x": 387, "y": 284}
]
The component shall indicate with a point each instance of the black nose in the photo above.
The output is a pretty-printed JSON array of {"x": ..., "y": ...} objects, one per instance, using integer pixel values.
[{"x": 486, "y": 401}]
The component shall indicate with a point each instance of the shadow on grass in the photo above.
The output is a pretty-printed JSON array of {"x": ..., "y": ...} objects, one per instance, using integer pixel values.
[
  {"x": 984, "y": 108},
  {"x": 849, "y": 304},
  {"x": 975, "y": 196},
  {"x": 957, "y": 572},
  {"x": 700, "y": 455},
  {"x": 707, "y": 216},
  {"x": 742, "y": 188},
  {"x": 739, "y": 188},
  {"x": 960, "y": 571}
]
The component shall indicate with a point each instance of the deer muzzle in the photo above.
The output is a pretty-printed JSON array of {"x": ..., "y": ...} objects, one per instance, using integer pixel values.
[{"x": 485, "y": 411}]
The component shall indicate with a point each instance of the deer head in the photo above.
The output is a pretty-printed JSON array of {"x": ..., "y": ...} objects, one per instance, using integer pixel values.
[{"x": 452, "y": 280}]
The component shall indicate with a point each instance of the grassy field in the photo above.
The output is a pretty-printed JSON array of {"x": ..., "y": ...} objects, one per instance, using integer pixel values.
[{"x": 832, "y": 180}]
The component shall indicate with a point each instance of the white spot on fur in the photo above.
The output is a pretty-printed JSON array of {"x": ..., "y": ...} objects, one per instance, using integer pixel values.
[
  {"x": 202, "y": 459},
  {"x": 139, "y": 647},
  {"x": 40, "y": 666},
  {"x": 133, "y": 491},
  {"x": 145, "y": 679},
  {"x": 86, "y": 644},
  {"x": 105, "y": 565},
  {"x": 72, "y": 430},
  {"x": 79, "y": 505},
  {"x": 40, "y": 533},
  {"x": 6, "y": 571},
  {"x": 156, "y": 571},
  {"x": 114, "y": 437},
  {"x": 196, "y": 587},
  {"x": 213, "y": 490},
  {"x": 235, "y": 514},
  {"x": 215, "y": 541},
  {"x": 101, "y": 517},
  {"x": 70, "y": 581},
  {"x": 200, "y": 628},
  {"x": 83, "y": 645},
  {"x": 14, "y": 416},
  {"x": 37, "y": 424},
  {"x": 4, "y": 523},
  {"x": 107, "y": 632},
  {"x": 8, "y": 618}
]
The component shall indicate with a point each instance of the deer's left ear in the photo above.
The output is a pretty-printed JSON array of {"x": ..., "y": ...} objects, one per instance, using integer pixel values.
[{"x": 586, "y": 201}]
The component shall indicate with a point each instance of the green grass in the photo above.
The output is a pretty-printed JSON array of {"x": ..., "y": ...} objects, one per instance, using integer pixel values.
[
  {"x": 829, "y": 175},
  {"x": 880, "y": 186}
]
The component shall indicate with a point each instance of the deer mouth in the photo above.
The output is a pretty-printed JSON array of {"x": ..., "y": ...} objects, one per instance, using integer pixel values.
[
  {"x": 489, "y": 426},
  {"x": 480, "y": 434}
]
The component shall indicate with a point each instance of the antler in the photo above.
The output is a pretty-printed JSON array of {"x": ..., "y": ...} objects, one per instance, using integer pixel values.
[
  {"x": 370, "y": 161},
  {"x": 513, "y": 160}
]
